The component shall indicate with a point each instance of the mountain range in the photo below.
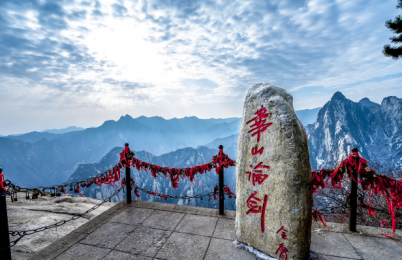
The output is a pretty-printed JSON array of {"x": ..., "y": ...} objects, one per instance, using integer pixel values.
[{"x": 42, "y": 158}]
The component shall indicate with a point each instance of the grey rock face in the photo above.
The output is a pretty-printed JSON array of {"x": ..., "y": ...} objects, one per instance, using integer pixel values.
[
  {"x": 288, "y": 190},
  {"x": 376, "y": 130}
]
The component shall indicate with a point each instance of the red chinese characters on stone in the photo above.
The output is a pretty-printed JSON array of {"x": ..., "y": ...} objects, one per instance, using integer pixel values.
[
  {"x": 260, "y": 122},
  {"x": 283, "y": 233},
  {"x": 252, "y": 204},
  {"x": 257, "y": 175},
  {"x": 255, "y": 150},
  {"x": 283, "y": 252}
]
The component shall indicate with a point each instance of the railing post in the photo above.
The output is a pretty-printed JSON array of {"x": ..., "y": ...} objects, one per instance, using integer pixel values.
[
  {"x": 4, "y": 237},
  {"x": 353, "y": 202},
  {"x": 128, "y": 184},
  {"x": 221, "y": 193}
]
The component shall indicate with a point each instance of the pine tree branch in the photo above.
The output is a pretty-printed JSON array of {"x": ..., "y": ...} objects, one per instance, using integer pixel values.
[
  {"x": 396, "y": 39},
  {"x": 393, "y": 52},
  {"x": 396, "y": 25}
]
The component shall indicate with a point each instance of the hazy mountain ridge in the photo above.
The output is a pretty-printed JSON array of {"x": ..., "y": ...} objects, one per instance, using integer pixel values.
[{"x": 54, "y": 157}]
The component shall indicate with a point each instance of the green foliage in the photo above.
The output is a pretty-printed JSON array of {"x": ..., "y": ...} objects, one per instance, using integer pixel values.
[{"x": 396, "y": 27}]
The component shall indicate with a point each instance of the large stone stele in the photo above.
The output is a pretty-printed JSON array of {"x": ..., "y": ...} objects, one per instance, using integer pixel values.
[{"x": 288, "y": 186}]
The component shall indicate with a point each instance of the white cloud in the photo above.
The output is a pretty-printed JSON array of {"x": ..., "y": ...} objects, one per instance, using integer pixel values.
[{"x": 65, "y": 56}]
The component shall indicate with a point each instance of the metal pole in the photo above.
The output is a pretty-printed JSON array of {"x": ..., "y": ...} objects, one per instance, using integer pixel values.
[
  {"x": 128, "y": 184},
  {"x": 4, "y": 237},
  {"x": 353, "y": 203},
  {"x": 221, "y": 194}
]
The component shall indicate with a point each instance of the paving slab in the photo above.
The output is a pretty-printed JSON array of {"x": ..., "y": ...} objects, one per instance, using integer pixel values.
[
  {"x": 224, "y": 249},
  {"x": 373, "y": 248},
  {"x": 90, "y": 226},
  {"x": 197, "y": 225},
  {"x": 165, "y": 220},
  {"x": 333, "y": 244},
  {"x": 225, "y": 229},
  {"x": 133, "y": 215},
  {"x": 183, "y": 246},
  {"x": 109, "y": 235},
  {"x": 145, "y": 241},
  {"x": 113, "y": 255},
  {"x": 58, "y": 247},
  {"x": 153, "y": 205},
  {"x": 327, "y": 257},
  {"x": 81, "y": 251}
]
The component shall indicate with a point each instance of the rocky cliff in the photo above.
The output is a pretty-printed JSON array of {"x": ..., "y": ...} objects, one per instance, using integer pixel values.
[{"x": 343, "y": 124}]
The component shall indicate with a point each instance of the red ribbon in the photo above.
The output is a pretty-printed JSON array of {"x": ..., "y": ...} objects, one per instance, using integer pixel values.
[
  {"x": 316, "y": 214},
  {"x": 2, "y": 182}
]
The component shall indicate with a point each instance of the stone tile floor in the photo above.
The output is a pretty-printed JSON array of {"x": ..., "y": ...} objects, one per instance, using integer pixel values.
[{"x": 150, "y": 230}]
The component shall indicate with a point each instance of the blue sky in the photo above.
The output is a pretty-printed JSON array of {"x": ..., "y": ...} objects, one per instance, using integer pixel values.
[{"x": 80, "y": 63}]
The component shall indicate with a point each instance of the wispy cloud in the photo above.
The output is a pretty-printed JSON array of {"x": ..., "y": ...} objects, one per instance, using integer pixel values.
[{"x": 178, "y": 58}]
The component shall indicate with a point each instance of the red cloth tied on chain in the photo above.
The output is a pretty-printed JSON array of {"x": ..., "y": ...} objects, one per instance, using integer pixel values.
[
  {"x": 151, "y": 193},
  {"x": 136, "y": 192},
  {"x": 354, "y": 163},
  {"x": 318, "y": 180},
  {"x": 371, "y": 210},
  {"x": 228, "y": 191},
  {"x": 124, "y": 155},
  {"x": 223, "y": 160},
  {"x": 2, "y": 182},
  {"x": 77, "y": 190},
  {"x": 214, "y": 193},
  {"x": 190, "y": 172},
  {"x": 388, "y": 187},
  {"x": 317, "y": 215}
]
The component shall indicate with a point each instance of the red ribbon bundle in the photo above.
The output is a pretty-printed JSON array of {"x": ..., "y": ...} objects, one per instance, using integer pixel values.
[
  {"x": 369, "y": 180},
  {"x": 317, "y": 215},
  {"x": 223, "y": 160},
  {"x": 228, "y": 191},
  {"x": 318, "y": 180}
]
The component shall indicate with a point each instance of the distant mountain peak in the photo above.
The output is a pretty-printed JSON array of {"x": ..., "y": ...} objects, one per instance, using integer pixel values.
[
  {"x": 368, "y": 103},
  {"x": 125, "y": 118},
  {"x": 338, "y": 96},
  {"x": 391, "y": 99}
]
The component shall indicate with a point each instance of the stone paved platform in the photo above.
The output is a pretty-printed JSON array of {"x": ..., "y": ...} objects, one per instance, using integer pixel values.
[{"x": 149, "y": 230}]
